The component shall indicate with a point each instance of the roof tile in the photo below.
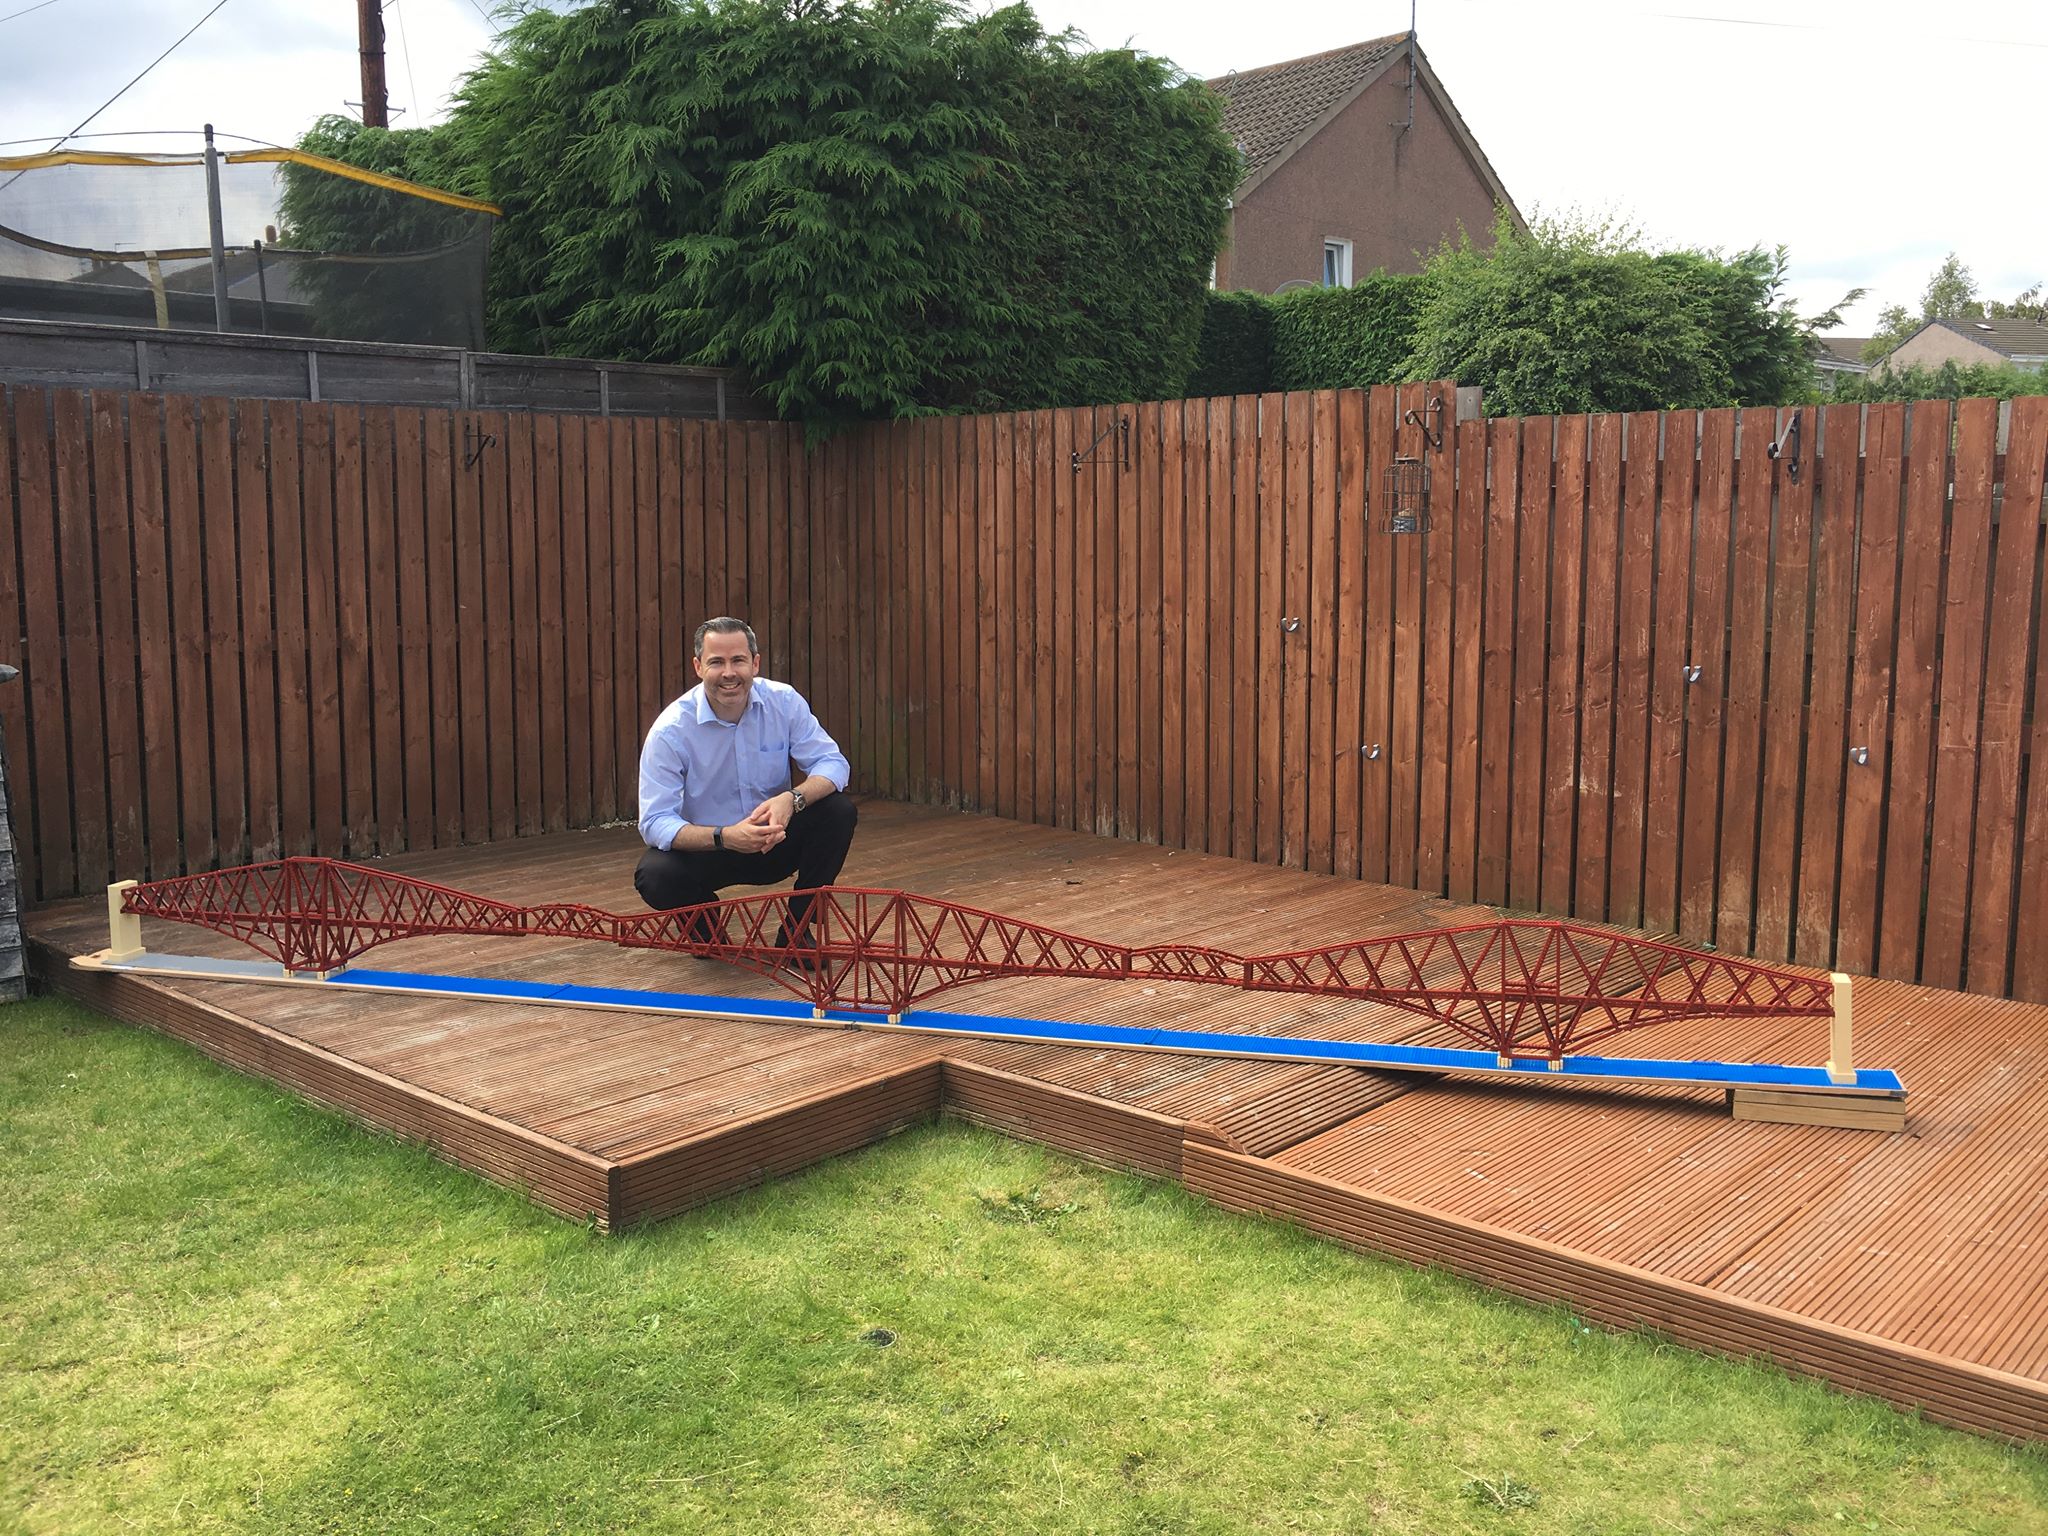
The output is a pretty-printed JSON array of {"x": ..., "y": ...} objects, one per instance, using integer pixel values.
[{"x": 1268, "y": 108}]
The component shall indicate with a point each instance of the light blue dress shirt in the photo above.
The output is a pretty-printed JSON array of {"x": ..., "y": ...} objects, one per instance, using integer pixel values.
[{"x": 696, "y": 770}]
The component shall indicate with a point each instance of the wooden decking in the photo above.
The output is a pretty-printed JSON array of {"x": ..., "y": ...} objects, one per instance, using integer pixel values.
[{"x": 1912, "y": 1265}]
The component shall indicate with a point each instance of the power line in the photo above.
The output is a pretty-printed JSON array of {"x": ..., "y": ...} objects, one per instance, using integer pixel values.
[
  {"x": 96, "y": 111},
  {"x": 405, "y": 45},
  {"x": 40, "y": 5},
  {"x": 145, "y": 133}
]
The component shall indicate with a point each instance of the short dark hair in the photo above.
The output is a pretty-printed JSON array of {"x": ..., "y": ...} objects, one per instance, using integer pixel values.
[{"x": 724, "y": 626}]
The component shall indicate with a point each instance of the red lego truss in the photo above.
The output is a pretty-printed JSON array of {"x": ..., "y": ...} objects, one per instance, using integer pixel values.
[{"x": 1516, "y": 986}]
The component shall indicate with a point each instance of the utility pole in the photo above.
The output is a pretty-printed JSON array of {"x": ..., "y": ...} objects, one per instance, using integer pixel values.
[{"x": 370, "y": 28}]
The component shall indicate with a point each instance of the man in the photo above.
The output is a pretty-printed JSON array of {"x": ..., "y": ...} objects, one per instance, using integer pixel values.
[{"x": 716, "y": 804}]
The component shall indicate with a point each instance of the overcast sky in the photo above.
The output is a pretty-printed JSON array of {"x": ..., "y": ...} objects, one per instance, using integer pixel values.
[{"x": 1869, "y": 136}]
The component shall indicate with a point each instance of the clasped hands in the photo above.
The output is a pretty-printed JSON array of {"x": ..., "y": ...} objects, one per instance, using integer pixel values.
[{"x": 766, "y": 825}]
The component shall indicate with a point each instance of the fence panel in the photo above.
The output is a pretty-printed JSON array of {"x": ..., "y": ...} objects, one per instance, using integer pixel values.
[{"x": 1634, "y": 669}]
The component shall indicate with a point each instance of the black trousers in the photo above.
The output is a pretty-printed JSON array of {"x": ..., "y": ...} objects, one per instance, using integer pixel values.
[{"x": 814, "y": 850}]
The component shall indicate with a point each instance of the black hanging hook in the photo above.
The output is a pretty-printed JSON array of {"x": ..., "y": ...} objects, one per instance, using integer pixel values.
[{"x": 482, "y": 440}]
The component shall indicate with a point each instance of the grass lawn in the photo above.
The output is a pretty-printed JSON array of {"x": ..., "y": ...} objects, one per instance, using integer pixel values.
[{"x": 223, "y": 1310}]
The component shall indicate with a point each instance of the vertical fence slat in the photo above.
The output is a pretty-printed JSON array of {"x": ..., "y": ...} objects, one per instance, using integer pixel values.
[
  {"x": 323, "y": 624},
  {"x": 1354, "y": 506},
  {"x": 1216, "y": 665},
  {"x": 1496, "y": 716},
  {"x": 527, "y": 617},
  {"x": 1863, "y": 800},
  {"x": 42, "y": 659},
  {"x": 648, "y": 571},
  {"x": 1671, "y": 625},
  {"x": 1961, "y": 700},
  {"x": 1562, "y": 707},
  {"x": 1595, "y": 777},
  {"x": 1110, "y": 488},
  {"x": 1195, "y": 598},
  {"x": 626, "y": 726},
  {"x": 1998, "y": 804},
  {"x": 259, "y": 623},
  {"x": 352, "y": 607},
  {"x": 2023, "y": 492},
  {"x": 415, "y": 634},
  {"x": 161, "y": 727},
  {"x": 14, "y": 708},
  {"x": 1024, "y": 601},
  {"x": 1735, "y": 907},
  {"x": 1785, "y": 713},
  {"x": 190, "y": 638},
  {"x": 1632, "y": 670},
  {"x": 1295, "y": 509},
  {"x": 113, "y": 531},
  {"x": 1468, "y": 615},
  {"x": 1376, "y": 723},
  {"x": 1438, "y": 550},
  {"x": 1699, "y": 855},
  {"x": 1911, "y": 759},
  {"x": 1404, "y": 734},
  {"x": 1532, "y": 595},
  {"x": 1148, "y": 654},
  {"x": 1246, "y": 683},
  {"x": 1827, "y": 746},
  {"x": 1133, "y": 784},
  {"x": 224, "y": 632},
  {"x": 444, "y": 616},
  {"x": 387, "y": 701},
  {"x": 578, "y": 774},
  {"x": 1045, "y": 623},
  {"x": 1322, "y": 623},
  {"x": 296, "y": 765},
  {"x": 604, "y": 627},
  {"x": 1173, "y": 625},
  {"x": 84, "y": 692}
]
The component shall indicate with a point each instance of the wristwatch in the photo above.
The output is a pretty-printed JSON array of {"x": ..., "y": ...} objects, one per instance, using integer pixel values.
[
  {"x": 796, "y": 801},
  {"x": 718, "y": 837}
]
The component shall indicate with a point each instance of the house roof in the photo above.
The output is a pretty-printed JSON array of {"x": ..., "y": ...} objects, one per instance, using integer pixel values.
[
  {"x": 1268, "y": 108},
  {"x": 1845, "y": 349},
  {"x": 1274, "y": 109},
  {"x": 2021, "y": 340}
]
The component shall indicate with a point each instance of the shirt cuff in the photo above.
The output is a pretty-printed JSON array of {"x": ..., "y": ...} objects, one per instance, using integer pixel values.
[{"x": 660, "y": 831}]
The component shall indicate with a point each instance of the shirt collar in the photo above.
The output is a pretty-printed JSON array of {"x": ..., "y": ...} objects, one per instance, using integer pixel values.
[{"x": 706, "y": 715}]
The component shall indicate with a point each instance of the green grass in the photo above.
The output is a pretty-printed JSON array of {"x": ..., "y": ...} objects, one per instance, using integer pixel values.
[{"x": 222, "y": 1310}]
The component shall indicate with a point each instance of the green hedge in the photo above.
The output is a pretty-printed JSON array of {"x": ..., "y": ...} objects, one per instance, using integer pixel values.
[
  {"x": 1346, "y": 338},
  {"x": 1951, "y": 381},
  {"x": 1317, "y": 338},
  {"x": 1235, "y": 353}
]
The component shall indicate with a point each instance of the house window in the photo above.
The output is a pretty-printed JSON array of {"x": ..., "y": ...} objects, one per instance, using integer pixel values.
[{"x": 1336, "y": 263}]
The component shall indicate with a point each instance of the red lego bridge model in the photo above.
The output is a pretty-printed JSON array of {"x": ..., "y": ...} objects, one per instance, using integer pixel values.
[{"x": 1516, "y": 986}]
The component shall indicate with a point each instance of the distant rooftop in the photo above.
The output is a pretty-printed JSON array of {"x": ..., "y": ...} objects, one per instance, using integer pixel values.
[{"x": 2021, "y": 340}]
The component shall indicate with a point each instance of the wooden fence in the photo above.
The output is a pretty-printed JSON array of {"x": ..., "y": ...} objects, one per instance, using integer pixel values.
[{"x": 249, "y": 628}]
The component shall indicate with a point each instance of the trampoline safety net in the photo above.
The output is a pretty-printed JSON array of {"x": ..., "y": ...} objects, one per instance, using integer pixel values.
[{"x": 313, "y": 247}]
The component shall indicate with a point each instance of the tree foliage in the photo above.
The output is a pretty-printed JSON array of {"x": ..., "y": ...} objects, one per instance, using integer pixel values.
[
  {"x": 1575, "y": 317},
  {"x": 871, "y": 206},
  {"x": 1950, "y": 381},
  {"x": 1951, "y": 294}
]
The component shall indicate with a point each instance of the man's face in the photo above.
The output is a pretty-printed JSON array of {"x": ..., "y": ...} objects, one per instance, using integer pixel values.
[{"x": 727, "y": 668}]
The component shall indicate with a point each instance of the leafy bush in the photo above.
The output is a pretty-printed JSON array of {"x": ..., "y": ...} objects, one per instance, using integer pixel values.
[
  {"x": 871, "y": 206},
  {"x": 1346, "y": 338},
  {"x": 1950, "y": 381},
  {"x": 1574, "y": 318}
]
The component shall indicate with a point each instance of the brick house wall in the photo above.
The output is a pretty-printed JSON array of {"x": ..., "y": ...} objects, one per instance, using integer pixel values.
[{"x": 1393, "y": 194}]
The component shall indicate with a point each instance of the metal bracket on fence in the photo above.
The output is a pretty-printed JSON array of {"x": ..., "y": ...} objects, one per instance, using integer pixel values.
[
  {"x": 1431, "y": 429},
  {"x": 482, "y": 440},
  {"x": 1787, "y": 448},
  {"x": 1121, "y": 427},
  {"x": 1290, "y": 626},
  {"x": 1859, "y": 755},
  {"x": 1371, "y": 754},
  {"x": 1692, "y": 672}
]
